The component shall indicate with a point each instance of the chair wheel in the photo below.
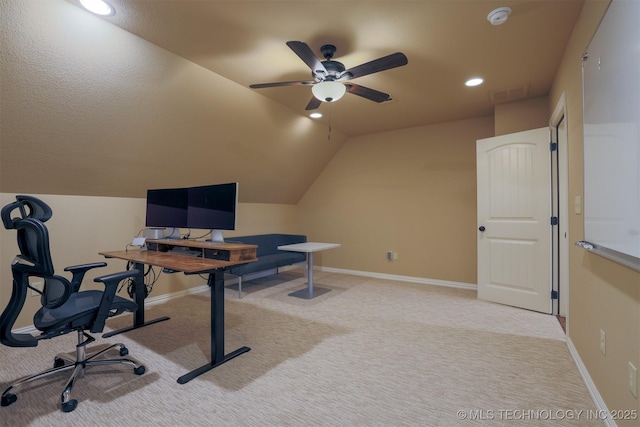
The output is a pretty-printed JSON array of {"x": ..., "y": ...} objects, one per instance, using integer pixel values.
[
  {"x": 124, "y": 351},
  {"x": 139, "y": 370},
  {"x": 8, "y": 399},
  {"x": 58, "y": 362},
  {"x": 70, "y": 405}
]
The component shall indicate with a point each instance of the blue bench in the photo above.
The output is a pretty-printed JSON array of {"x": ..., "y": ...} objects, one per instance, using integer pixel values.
[{"x": 269, "y": 257}]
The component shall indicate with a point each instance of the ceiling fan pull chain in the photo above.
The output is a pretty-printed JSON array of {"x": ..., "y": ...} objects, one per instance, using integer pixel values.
[{"x": 330, "y": 115}]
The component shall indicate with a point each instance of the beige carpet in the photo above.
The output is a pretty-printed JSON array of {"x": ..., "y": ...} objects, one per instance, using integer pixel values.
[{"x": 371, "y": 352}]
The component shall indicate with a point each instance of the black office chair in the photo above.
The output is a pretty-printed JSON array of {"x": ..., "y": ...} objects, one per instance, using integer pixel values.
[{"x": 64, "y": 307}]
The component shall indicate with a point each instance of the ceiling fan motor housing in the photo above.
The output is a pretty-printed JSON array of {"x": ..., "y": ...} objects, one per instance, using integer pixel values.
[{"x": 334, "y": 71}]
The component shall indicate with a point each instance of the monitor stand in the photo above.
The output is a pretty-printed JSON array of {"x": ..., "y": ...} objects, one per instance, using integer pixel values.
[
  {"x": 216, "y": 236},
  {"x": 154, "y": 232},
  {"x": 172, "y": 233}
]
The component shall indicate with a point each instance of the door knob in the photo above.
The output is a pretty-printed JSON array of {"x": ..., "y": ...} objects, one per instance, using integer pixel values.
[{"x": 482, "y": 228}]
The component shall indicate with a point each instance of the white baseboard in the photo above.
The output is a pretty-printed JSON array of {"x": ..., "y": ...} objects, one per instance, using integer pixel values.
[
  {"x": 411, "y": 279},
  {"x": 595, "y": 395}
]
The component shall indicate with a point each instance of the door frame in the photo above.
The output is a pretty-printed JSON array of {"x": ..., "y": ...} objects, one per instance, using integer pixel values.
[{"x": 559, "y": 115}]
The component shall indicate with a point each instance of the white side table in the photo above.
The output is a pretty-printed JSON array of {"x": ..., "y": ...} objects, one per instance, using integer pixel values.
[{"x": 309, "y": 248}]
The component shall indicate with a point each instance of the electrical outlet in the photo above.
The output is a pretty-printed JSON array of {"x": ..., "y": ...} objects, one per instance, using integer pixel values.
[
  {"x": 603, "y": 342},
  {"x": 633, "y": 379},
  {"x": 39, "y": 285}
]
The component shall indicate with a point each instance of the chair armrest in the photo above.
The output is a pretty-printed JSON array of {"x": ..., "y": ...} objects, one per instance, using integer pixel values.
[
  {"x": 78, "y": 272},
  {"x": 110, "y": 282}
]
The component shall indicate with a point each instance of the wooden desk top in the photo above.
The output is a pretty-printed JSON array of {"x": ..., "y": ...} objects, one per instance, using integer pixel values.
[{"x": 172, "y": 261}]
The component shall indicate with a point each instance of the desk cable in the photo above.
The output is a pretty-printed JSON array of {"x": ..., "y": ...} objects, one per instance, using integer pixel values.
[{"x": 129, "y": 282}]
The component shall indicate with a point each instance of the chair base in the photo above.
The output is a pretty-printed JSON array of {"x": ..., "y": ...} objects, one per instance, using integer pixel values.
[{"x": 62, "y": 362}]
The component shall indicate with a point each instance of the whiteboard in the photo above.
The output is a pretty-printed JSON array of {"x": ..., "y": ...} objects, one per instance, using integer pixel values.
[{"x": 611, "y": 84}]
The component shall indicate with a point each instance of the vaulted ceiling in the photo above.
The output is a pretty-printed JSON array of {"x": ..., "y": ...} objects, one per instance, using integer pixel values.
[
  {"x": 158, "y": 95},
  {"x": 446, "y": 42}
]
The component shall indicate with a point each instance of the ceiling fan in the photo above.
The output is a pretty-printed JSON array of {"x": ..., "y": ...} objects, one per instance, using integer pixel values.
[{"x": 328, "y": 75}]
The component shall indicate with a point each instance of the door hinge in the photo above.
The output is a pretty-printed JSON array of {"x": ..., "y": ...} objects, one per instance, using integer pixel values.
[
  {"x": 554, "y": 294},
  {"x": 553, "y": 146},
  {"x": 554, "y": 220}
]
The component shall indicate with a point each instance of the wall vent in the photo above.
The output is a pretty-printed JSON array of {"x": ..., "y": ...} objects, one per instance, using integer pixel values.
[{"x": 510, "y": 94}]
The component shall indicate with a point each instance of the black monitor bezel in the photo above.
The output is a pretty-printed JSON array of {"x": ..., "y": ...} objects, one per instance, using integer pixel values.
[{"x": 174, "y": 219}]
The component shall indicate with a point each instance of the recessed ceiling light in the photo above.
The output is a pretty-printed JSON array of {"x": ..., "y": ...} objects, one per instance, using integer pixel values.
[
  {"x": 99, "y": 7},
  {"x": 476, "y": 81},
  {"x": 315, "y": 115}
]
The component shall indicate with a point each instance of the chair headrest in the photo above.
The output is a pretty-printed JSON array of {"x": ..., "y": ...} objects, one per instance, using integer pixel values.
[{"x": 27, "y": 207}]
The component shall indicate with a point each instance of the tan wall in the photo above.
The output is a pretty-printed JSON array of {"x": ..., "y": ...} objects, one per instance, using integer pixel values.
[
  {"x": 411, "y": 191},
  {"x": 102, "y": 112},
  {"x": 83, "y": 226},
  {"x": 522, "y": 115},
  {"x": 602, "y": 295}
]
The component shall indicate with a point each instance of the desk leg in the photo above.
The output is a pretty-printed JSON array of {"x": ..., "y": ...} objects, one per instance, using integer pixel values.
[
  {"x": 216, "y": 284},
  {"x": 309, "y": 292},
  {"x": 310, "y": 273},
  {"x": 139, "y": 296}
]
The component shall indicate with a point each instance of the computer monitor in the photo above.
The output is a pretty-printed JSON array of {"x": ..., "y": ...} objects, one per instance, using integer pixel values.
[
  {"x": 213, "y": 207},
  {"x": 167, "y": 208}
]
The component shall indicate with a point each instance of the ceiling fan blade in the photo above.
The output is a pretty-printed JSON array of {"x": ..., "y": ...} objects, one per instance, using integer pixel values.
[
  {"x": 394, "y": 60},
  {"x": 276, "y": 84},
  {"x": 306, "y": 54},
  {"x": 365, "y": 92},
  {"x": 313, "y": 103}
]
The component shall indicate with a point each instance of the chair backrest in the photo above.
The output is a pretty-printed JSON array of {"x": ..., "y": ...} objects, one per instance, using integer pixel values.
[
  {"x": 28, "y": 207},
  {"x": 34, "y": 260},
  {"x": 33, "y": 236}
]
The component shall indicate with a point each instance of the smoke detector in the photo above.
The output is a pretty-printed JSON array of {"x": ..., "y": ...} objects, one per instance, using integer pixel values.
[{"x": 499, "y": 16}]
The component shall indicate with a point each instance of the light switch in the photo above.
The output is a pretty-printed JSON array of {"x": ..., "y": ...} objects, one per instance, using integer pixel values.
[{"x": 577, "y": 205}]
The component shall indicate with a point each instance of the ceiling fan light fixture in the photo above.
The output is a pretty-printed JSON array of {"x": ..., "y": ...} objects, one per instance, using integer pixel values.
[{"x": 328, "y": 91}]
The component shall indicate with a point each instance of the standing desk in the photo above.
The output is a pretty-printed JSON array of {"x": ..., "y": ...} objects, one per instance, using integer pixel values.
[{"x": 189, "y": 265}]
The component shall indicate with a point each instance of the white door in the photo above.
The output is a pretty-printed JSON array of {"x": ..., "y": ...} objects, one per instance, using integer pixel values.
[{"x": 514, "y": 220}]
